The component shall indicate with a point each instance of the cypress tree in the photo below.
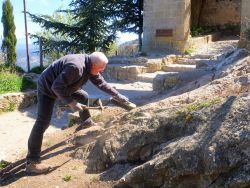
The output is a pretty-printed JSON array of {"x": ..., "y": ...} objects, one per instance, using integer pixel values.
[{"x": 9, "y": 37}]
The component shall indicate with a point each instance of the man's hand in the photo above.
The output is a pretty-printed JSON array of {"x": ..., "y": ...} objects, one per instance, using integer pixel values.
[
  {"x": 120, "y": 98},
  {"x": 75, "y": 106}
]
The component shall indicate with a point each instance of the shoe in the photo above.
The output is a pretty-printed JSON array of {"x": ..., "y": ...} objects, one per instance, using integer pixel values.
[
  {"x": 37, "y": 168},
  {"x": 88, "y": 123}
]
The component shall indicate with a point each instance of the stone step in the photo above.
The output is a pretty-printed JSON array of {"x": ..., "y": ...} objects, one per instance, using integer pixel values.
[
  {"x": 191, "y": 61},
  {"x": 204, "y": 63},
  {"x": 178, "y": 68},
  {"x": 150, "y": 77},
  {"x": 185, "y": 61},
  {"x": 121, "y": 72},
  {"x": 168, "y": 81}
]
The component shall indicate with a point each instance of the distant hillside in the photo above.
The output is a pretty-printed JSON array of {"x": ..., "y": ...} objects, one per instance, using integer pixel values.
[{"x": 128, "y": 48}]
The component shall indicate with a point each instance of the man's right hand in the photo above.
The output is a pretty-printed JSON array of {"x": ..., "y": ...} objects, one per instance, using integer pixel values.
[
  {"x": 121, "y": 98},
  {"x": 75, "y": 106}
]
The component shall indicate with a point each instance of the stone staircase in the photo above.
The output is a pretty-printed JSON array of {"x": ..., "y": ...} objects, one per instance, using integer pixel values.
[{"x": 164, "y": 73}]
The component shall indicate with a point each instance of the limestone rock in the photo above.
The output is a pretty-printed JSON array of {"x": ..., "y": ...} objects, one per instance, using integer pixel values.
[
  {"x": 87, "y": 135},
  {"x": 200, "y": 148},
  {"x": 154, "y": 65},
  {"x": 199, "y": 138}
]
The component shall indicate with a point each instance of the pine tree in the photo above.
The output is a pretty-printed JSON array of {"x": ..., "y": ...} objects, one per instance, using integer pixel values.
[
  {"x": 9, "y": 37},
  {"x": 129, "y": 14},
  {"x": 90, "y": 30},
  {"x": 96, "y": 23}
]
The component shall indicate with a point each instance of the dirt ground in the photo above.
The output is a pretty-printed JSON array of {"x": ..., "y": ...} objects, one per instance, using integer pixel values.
[{"x": 66, "y": 172}]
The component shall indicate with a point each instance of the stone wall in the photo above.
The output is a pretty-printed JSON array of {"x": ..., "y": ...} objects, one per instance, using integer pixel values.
[
  {"x": 166, "y": 25},
  {"x": 245, "y": 17},
  {"x": 245, "y": 24},
  {"x": 220, "y": 12},
  {"x": 167, "y": 22},
  {"x": 12, "y": 101}
]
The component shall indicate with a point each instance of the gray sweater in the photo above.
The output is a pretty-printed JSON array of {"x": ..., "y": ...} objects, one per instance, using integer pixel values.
[{"x": 67, "y": 75}]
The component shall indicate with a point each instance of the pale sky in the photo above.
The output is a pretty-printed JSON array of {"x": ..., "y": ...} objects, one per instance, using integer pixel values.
[
  {"x": 41, "y": 7},
  {"x": 35, "y": 7}
]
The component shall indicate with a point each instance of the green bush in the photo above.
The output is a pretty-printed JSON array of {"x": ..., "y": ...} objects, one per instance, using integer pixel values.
[
  {"x": 12, "y": 82},
  {"x": 205, "y": 30},
  {"x": 10, "y": 69},
  {"x": 37, "y": 70}
]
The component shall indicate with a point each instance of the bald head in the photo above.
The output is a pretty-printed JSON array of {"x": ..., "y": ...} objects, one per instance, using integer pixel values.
[
  {"x": 98, "y": 61},
  {"x": 98, "y": 58}
]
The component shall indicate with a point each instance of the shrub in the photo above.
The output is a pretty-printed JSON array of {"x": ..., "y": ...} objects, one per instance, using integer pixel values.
[
  {"x": 12, "y": 82},
  {"x": 199, "y": 31},
  {"x": 37, "y": 70},
  {"x": 6, "y": 68}
]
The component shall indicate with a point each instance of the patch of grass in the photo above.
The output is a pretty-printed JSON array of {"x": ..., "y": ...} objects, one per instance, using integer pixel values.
[
  {"x": 12, "y": 82},
  {"x": 95, "y": 177},
  {"x": 185, "y": 114},
  {"x": 189, "y": 51},
  {"x": 67, "y": 178},
  {"x": 198, "y": 106},
  {"x": 3, "y": 164},
  {"x": 12, "y": 106}
]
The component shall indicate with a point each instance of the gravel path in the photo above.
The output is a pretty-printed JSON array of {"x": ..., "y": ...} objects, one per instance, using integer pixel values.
[{"x": 15, "y": 128}]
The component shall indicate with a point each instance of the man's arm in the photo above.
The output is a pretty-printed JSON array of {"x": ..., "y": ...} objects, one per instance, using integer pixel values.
[{"x": 100, "y": 83}]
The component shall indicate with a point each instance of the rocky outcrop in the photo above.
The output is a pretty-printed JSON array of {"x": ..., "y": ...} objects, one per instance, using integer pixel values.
[
  {"x": 196, "y": 139},
  {"x": 216, "y": 154}
]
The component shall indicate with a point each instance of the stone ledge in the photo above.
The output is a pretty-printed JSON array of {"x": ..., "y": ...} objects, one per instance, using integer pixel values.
[
  {"x": 197, "y": 41},
  {"x": 168, "y": 81},
  {"x": 20, "y": 100},
  {"x": 178, "y": 68}
]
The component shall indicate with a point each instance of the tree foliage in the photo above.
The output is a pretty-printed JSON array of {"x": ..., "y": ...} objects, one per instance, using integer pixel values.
[
  {"x": 129, "y": 15},
  {"x": 9, "y": 37},
  {"x": 95, "y": 24},
  {"x": 54, "y": 44}
]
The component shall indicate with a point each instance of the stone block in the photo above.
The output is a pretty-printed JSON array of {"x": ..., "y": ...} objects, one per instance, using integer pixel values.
[
  {"x": 12, "y": 101},
  {"x": 154, "y": 65},
  {"x": 178, "y": 68},
  {"x": 169, "y": 59},
  {"x": 165, "y": 81},
  {"x": 170, "y": 82}
]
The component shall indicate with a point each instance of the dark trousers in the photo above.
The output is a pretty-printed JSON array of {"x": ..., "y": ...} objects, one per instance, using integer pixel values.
[{"x": 44, "y": 114}]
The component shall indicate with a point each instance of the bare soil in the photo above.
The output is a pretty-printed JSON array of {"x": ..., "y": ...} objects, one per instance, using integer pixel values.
[{"x": 66, "y": 172}]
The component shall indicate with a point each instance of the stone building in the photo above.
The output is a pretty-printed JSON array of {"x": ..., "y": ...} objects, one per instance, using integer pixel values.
[{"x": 167, "y": 23}]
